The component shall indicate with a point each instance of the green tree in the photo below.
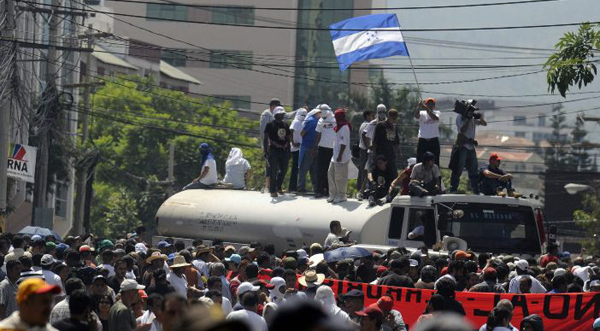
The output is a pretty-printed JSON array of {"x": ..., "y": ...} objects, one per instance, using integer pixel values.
[
  {"x": 555, "y": 156},
  {"x": 588, "y": 219},
  {"x": 134, "y": 124},
  {"x": 573, "y": 63},
  {"x": 579, "y": 157}
]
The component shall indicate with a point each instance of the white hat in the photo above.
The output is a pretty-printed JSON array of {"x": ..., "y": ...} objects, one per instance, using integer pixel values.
[
  {"x": 324, "y": 107},
  {"x": 278, "y": 110},
  {"x": 559, "y": 272},
  {"x": 301, "y": 253},
  {"x": 522, "y": 264},
  {"x": 47, "y": 259},
  {"x": 245, "y": 287},
  {"x": 412, "y": 161},
  {"x": 131, "y": 284},
  {"x": 381, "y": 107},
  {"x": 595, "y": 283},
  {"x": 413, "y": 262},
  {"x": 311, "y": 278},
  {"x": 141, "y": 248}
]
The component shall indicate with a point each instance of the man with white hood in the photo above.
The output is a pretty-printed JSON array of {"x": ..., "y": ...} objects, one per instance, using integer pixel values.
[
  {"x": 324, "y": 296},
  {"x": 237, "y": 169},
  {"x": 325, "y": 140},
  {"x": 368, "y": 133},
  {"x": 296, "y": 128}
]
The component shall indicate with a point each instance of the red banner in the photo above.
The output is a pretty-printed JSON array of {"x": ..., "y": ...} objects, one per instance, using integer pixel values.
[{"x": 571, "y": 311}]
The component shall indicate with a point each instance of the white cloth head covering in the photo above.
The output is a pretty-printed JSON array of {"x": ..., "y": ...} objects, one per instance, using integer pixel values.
[
  {"x": 300, "y": 114},
  {"x": 412, "y": 161},
  {"x": 275, "y": 294},
  {"x": 325, "y": 296},
  {"x": 235, "y": 157}
]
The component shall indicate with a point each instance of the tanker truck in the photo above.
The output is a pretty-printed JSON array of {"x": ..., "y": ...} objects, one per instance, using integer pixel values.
[{"x": 482, "y": 223}]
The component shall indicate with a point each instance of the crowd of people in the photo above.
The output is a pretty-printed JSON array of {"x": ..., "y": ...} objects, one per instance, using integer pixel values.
[
  {"x": 318, "y": 143},
  {"x": 88, "y": 283}
]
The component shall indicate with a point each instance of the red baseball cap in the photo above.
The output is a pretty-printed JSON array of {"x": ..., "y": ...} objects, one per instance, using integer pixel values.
[
  {"x": 385, "y": 303},
  {"x": 428, "y": 100},
  {"x": 381, "y": 270},
  {"x": 495, "y": 156},
  {"x": 489, "y": 271},
  {"x": 262, "y": 282},
  {"x": 373, "y": 311}
]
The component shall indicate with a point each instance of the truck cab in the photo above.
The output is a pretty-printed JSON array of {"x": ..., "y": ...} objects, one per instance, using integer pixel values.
[{"x": 486, "y": 223}]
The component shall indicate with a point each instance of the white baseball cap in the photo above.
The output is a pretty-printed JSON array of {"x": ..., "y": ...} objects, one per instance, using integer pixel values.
[
  {"x": 245, "y": 287},
  {"x": 412, "y": 161},
  {"x": 278, "y": 110},
  {"x": 559, "y": 272},
  {"x": 131, "y": 284},
  {"x": 47, "y": 259},
  {"x": 324, "y": 107},
  {"x": 522, "y": 264}
]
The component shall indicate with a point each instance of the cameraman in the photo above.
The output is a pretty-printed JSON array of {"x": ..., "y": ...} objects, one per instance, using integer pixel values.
[
  {"x": 463, "y": 152},
  {"x": 380, "y": 179}
]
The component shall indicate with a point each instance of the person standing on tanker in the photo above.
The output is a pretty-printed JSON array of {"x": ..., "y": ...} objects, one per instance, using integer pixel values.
[
  {"x": 208, "y": 174},
  {"x": 296, "y": 129},
  {"x": 463, "y": 152},
  {"x": 429, "y": 132},
  {"x": 363, "y": 155},
  {"x": 386, "y": 141},
  {"x": 308, "y": 149},
  {"x": 265, "y": 118},
  {"x": 325, "y": 139},
  {"x": 237, "y": 169},
  {"x": 368, "y": 134},
  {"x": 276, "y": 144},
  {"x": 338, "y": 167}
]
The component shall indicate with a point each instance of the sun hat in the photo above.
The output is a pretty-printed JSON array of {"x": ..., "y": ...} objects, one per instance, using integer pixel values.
[
  {"x": 155, "y": 256},
  {"x": 179, "y": 262},
  {"x": 200, "y": 249},
  {"x": 130, "y": 284},
  {"x": 34, "y": 286},
  {"x": 311, "y": 278}
]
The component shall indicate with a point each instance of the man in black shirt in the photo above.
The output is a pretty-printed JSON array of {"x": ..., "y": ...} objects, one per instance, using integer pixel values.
[
  {"x": 120, "y": 270},
  {"x": 161, "y": 285},
  {"x": 81, "y": 319},
  {"x": 494, "y": 180},
  {"x": 277, "y": 150},
  {"x": 397, "y": 276},
  {"x": 386, "y": 140},
  {"x": 380, "y": 179}
]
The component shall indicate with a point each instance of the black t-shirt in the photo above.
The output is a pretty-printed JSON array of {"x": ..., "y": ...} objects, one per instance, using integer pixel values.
[
  {"x": 393, "y": 279},
  {"x": 71, "y": 324},
  {"x": 383, "y": 177},
  {"x": 114, "y": 284},
  {"x": 386, "y": 139},
  {"x": 278, "y": 133}
]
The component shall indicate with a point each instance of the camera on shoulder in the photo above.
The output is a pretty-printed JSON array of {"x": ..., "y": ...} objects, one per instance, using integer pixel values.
[{"x": 467, "y": 109}]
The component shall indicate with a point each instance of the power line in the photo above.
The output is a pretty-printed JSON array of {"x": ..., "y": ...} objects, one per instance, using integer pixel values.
[{"x": 491, "y": 28}]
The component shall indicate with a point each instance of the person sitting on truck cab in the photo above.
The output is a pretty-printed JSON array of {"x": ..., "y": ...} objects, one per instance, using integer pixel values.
[
  {"x": 425, "y": 178},
  {"x": 208, "y": 172},
  {"x": 403, "y": 179},
  {"x": 380, "y": 178},
  {"x": 237, "y": 169},
  {"x": 494, "y": 180}
]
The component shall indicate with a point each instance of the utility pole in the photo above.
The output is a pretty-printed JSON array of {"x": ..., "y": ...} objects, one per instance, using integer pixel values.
[
  {"x": 8, "y": 32},
  {"x": 171, "y": 178}
]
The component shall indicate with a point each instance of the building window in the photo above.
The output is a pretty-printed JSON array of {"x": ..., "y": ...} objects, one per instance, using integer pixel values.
[
  {"x": 174, "y": 57},
  {"x": 520, "y": 120},
  {"x": 225, "y": 59},
  {"x": 60, "y": 200},
  {"x": 235, "y": 101},
  {"x": 542, "y": 121},
  {"x": 92, "y": 2},
  {"x": 233, "y": 15},
  {"x": 520, "y": 134},
  {"x": 168, "y": 12}
]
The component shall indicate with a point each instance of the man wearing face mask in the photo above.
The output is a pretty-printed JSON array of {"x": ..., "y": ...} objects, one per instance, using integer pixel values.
[
  {"x": 208, "y": 172},
  {"x": 276, "y": 145},
  {"x": 296, "y": 129},
  {"x": 325, "y": 139},
  {"x": 368, "y": 134},
  {"x": 308, "y": 149}
]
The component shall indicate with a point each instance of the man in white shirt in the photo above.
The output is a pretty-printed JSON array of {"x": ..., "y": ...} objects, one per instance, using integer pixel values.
[
  {"x": 208, "y": 172},
  {"x": 296, "y": 128},
  {"x": 265, "y": 118},
  {"x": 177, "y": 278},
  {"x": 249, "y": 300},
  {"x": 368, "y": 134},
  {"x": 154, "y": 303},
  {"x": 325, "y": 139},
  {"x": 522, "y": 268},
  {"x": 338, "y": 167},
  {"x": 51, "y": 278},
  {"x": 364, "y": 154},
  {"x": 335, "y": 230},
  {"x": 429, "y": 133}
]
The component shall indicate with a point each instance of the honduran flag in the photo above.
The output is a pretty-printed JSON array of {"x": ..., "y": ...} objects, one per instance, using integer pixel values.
[{"x": 367, "y": 37}]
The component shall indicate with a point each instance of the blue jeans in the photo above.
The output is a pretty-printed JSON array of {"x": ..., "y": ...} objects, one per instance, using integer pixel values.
[
  {"x": 490, "y": 186},
  {"x": 466, "y": 158},
  {"x": 306, "y": 164},
  {"x": 294, "y": 172}
]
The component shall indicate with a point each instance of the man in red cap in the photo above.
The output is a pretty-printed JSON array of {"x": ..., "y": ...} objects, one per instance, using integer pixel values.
[
  {"x": 490, "y": 282},
  {"x": 34, "y": 298},
  {"x": 429, "y": 132},
  {"x": 494, "y": 180},
  {"x": 371, "y": 318},
  {"x": 392, "y": 319}
]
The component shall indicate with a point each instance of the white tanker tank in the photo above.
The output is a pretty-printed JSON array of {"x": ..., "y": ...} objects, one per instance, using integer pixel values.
[{"x": 487, "y": 224}]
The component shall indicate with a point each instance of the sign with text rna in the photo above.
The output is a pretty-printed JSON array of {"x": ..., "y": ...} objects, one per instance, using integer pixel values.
[{"x": 570, "y": 311}]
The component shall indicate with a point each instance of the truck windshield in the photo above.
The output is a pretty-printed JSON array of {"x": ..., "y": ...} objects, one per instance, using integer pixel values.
[{"x": 494, "y": 228}]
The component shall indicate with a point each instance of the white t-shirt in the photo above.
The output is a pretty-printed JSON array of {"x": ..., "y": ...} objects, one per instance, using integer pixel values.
[
  {"x": 536, "y": 286},
  {"x": 254, "y": 321},
  {"x": 370, "y": 130},
  {"x": 265, "y": 118},
  {"x": 110, "y": 268},
  {"x": 331, "y": 239},
  {"x": 53, "y": 279},
  {"x": 297, "y": 128},
  {"x": 325, "y": 128},
  {"x": 342, "y": 137},
  {"x": 428, "y": 127},
  {"x": 211, "y": 177},
  {"x": 236, "y": 174},
  {"x": 362, "y": 129},
  {"x": 179, "y": 283},
  {"x": 226, "y": 306},
  {"x": 149, "y": 318}
]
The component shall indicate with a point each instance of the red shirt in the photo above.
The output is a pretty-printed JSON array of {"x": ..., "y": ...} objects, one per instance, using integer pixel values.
[
  {"x": 406, "y": 181},
  {"x": 547, "y": 259}
]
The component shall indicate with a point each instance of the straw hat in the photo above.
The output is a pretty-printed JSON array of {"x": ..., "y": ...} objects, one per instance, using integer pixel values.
[
  {"x": 311, "y": 278},
  {"x": 179, "y": 262},
  {"x": 155, "y": 256}
]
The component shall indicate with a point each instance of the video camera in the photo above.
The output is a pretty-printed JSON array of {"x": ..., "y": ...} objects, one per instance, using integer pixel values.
[{"x": 467, "y": 109}]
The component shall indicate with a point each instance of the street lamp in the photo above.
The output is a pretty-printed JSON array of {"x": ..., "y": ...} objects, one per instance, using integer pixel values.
[{"x": 572, "y": 188}]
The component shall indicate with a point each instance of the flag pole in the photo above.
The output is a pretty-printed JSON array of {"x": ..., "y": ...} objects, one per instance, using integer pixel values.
[{"x": 415, "y": 74}]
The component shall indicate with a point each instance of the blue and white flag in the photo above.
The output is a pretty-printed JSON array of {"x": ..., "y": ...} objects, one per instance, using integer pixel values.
[{"x": 367, "y": 37}]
